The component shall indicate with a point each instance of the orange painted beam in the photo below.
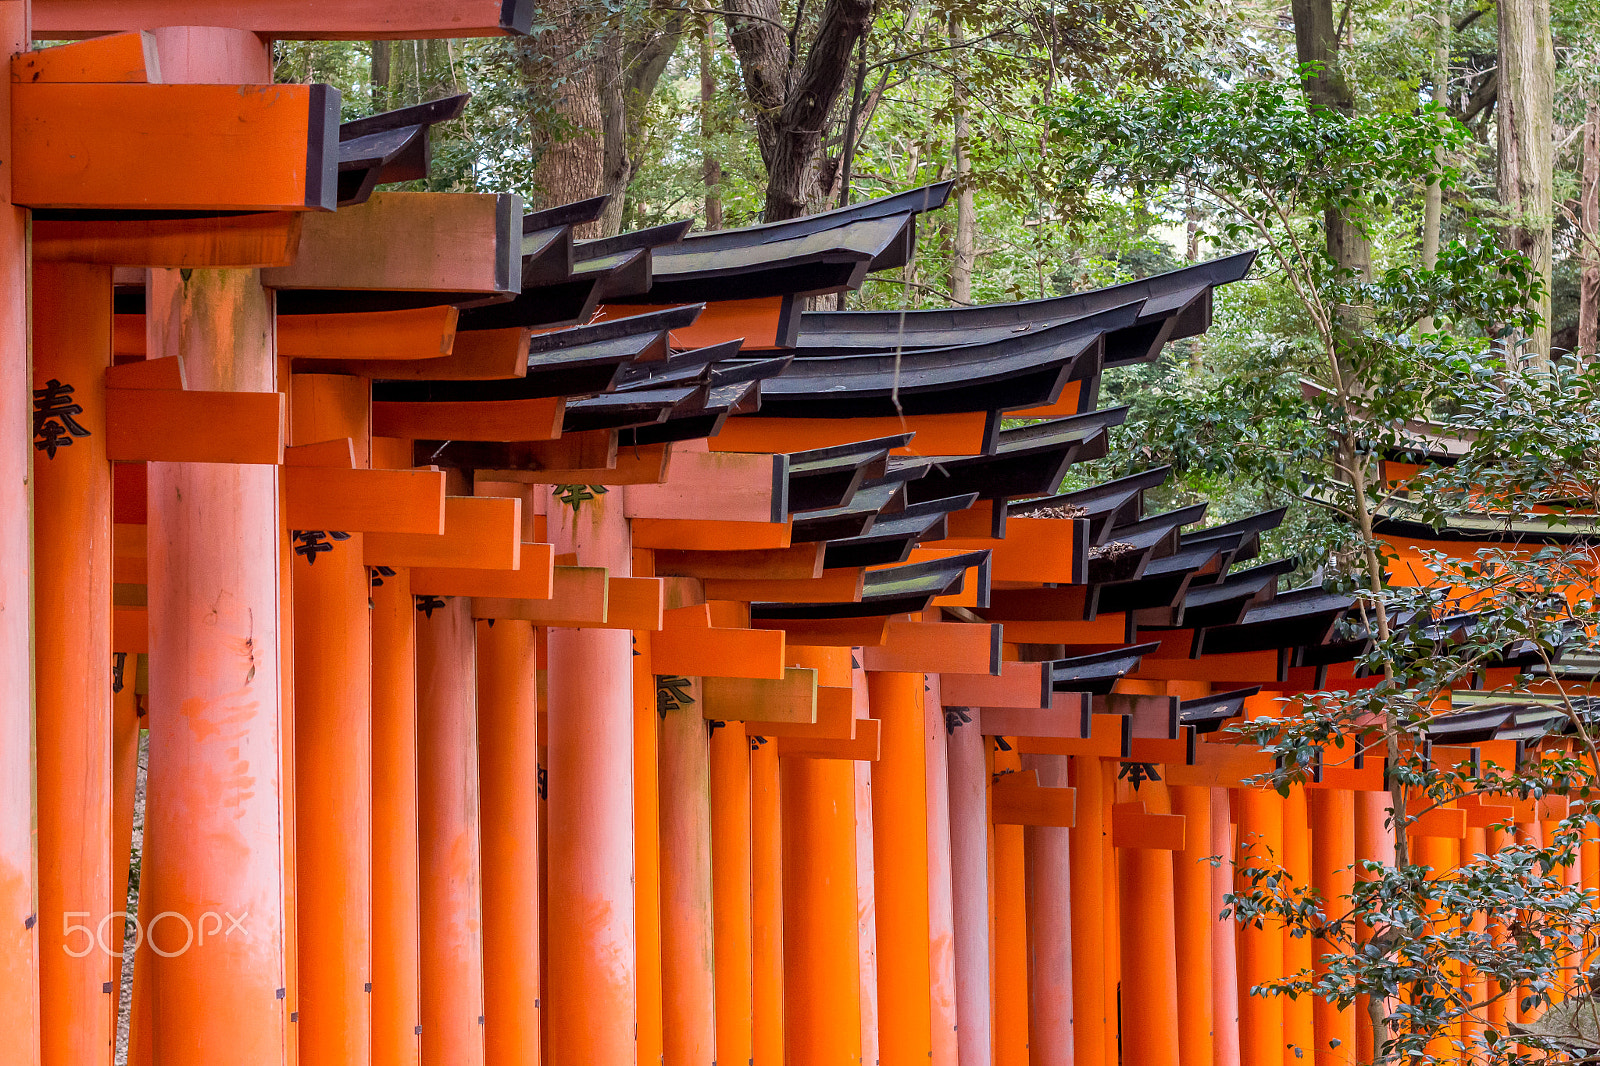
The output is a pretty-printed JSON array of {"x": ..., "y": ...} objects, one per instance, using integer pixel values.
[
  {"x": 480, "y": 532},
  {"x": 761, "y": 702},
  {"x": 752, "y": 653},
  {"x": 1105, "y": 629},
  {"x": 422, "y": 335},
  {"x": 834, "y": 666},
  {"x": 118, "y": 57},
  {"x": 218, "y": 427},
  {"x": 254, "y": 240},
  {"x": 955, "y": 434},
  {"x": 417, "y": 241},
  {"x": 1020, "y": 800},
  {"x": 365, "y": 501},
  {"x": 449, "y": 802},
  {"x": 1036, "y": 550},
  {"x": 579, "y": 596},
  {"x": 73, "y": 631},
  {"x": 834, "y": 586},
  {"x": 836, "y": 720},
  {"x": 1018, "y": 685},
  {"x": 710, "y": 535},
  {"x": 636, "y": 603},
  {"x": 865, "y": 746},
  {"x": 935, "y": 647},
  {"x": 489, "y": 420},
  {"x": 716, "y": 486},
  {"x": 800, "y": 562},
  {"x": 396, "y": 915},
  {"x": 761, "y": 322},
  {"x": 283, "y": 19},
  {"x": 828, "y": 632},
  {"x": 173, "y": 147},
  {"x": 508, "y": 771},
  {"x": 533, "y": 580}
]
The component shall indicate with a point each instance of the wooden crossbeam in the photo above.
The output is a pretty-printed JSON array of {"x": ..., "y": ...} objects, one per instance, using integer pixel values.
[
  {"x": 839, "y": 585},
  {"x": 365, "y": 501},
  {"x": 175, "y": 147},
  {"x": 1035, "y": 550},
  {"x": 936, "y": 647},
  {"x": 480, "y": 532},
  {"x": 1019, "y": 799},
  {"x": 955, "y": 434},
  {"x": 1134, "y": 827},
  {"x": 179, "y": 426},
  {"x": 834, "y": 666},
  {"x": 829, "y": 632},
  {"x": 635, "y": 603},
  {"x": 1062, "y": 718},
  {"x": 1018, "y": 685},
  {"x": 290, "y": 20},
  {"x": 835, "y": 719},
  {"x": 118, "y": 57},
  {"x": 380, "y": 344},
  {"x": 716, "y": 486},
  {"x": 418, "y": 241},
  {"x": 761, "y": 702},
  {"x": 1109, "y": 737},
  {"x": 762, "y": 323},
  {"x": 580, "y": 596},
  {"x": 486, "y": 420},
  {"x": 533, "y": 580},
  {"x": 863, "y": 748},
  {"x": 1106, "y": 629},
  {"x": 800, "y": 562},
  {"x": 255, "y": 240},
  {"x": 751, "y": 653},
  {"x": 689, "y": 535}
]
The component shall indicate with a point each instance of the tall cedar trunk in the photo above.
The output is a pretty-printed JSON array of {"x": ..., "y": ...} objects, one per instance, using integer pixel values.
[
  {"x": 710, "y": 169},
  {"x": 1589, "y": 207},
  {"x": 1433, "y": 195},
  {"x": 792, "y": 108},
  {"x": 1315, "y": 38},
  {"x": 382, "y": 53},
  {"x": 571, "y": 165},
  {"x": 1526, "y": 149},
  {"x": 630, "y": 65},
  {"x": 965, "y": 257}
]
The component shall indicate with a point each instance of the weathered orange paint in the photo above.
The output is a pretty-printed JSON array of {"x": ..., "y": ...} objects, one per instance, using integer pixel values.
[
  {"x": 1049, "y": 849},
  {"x": 766, "y": 904},
  {"x": 1261, "y": 955},
  {"x": 1010, "y": 933},
  {"x": 647, "y": 854},
  {"x": 968, "y": 773},
  {"x": 1191, "y": 885},
  {"x": 731, "y": 892},
  {"x": 689, "y": 994}
]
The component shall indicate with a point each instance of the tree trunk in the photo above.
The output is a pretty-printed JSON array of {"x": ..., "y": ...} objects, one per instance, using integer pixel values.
[
  {"x": 630, "y": 67},
  {"x": 1316, "y": 41},
  {"x": 792, "y": 109},
  {"x": 1433, "y": 195},
  {"x": 1526, "y": 150},
  {"x": 382, "y": 52},
  {"x": 965, "y": 257},
  {"x": 710, "y": 169},
  {"x": 570, "y": 164},
  {"x": 1589, "y": 243}
]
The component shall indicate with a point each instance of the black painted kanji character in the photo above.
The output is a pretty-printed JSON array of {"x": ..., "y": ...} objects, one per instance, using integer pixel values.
[
  {"x": 379, "y": 573},
  {"x": 671, "y": 694},
  {"x": 428, "y": 604},
  {"x": 544, "y": 784},
  {"x": 119, "y": 659},
  {"x": 312, "y": 541},
  {"x": 1137, "y": 773},
  {"x": 53, "y": 424},
  {"x": 955, "y": 718}
]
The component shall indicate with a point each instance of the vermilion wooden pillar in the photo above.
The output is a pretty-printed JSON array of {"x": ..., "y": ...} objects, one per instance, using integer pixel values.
[
  {"x": 508, "y": 768},
  {"x": 1092, "y": 1028},
  {"x": 1374, "y": 842},
  {"x": 72, "y": 585},
  {"x": 19, "y": 1002},
  {"x": 591, "y": 982},
  {"x": 969, "y": 880},
  {"x": 1196, "y": 914},
  {"x": 124, "y": 794},
  {"x": 647, "y": 854},
  {"x": 1475, "y": 984},
  {"x": 866, "y": 899},
  {"x": 1224, "y": 936},
  {"x": 1011, "y": 1005},
  {"x": 1333, "y": 856},
  {"x": 1261, "y": 956},
  {"x": 731, "y": 891},
  {"x": 1297, "y": 1013},
  {"x": 766, "y": 903},
  {"x": 941, "y": 916},
  {"x": 822, "y": 1007},
  {"x": 1049, "y": 851},
  {"x": 900, "y": 870},
  {"x": 396, "y": 909},
  {"x": 1150, "y": 1021},
  {"x": 220, "y": 810},
  {"x": 688, "y": 1002},
  {"x": 333, "y": 747},
  {"x": 449, "y": 806}
]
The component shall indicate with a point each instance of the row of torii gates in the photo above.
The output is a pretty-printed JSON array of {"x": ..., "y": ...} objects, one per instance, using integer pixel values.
[{"x": 570, "y": 651}]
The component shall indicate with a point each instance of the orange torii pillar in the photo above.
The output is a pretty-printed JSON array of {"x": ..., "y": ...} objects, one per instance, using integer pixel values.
[
  {"x": 449, "y": 803},
  {"x": 1224, "y": 937},
  {"x": 332, "y": 747},
  {"x": 1333, "y": 855},
  {"x": 1196, "y": 913},
  {"x": 124, "y": 794},
  {"x": 1049, "y": 850},
  {"x": 220, "y": 777},
  {"x": 1299, "y": 1033},
  {"x": 592, "y": 951},
  {"x": 647, "y": 846},
  {"x": 821, "y": 953},
  {"x": 969, "y": 882},
  {"x": 941, "y": 915},
  {"x": 866, "y": 908},
  {"x": 730, "y": 846},
  {"x": 396, "y": 909},
  {"x": 1261, "y": 956},
  {"x": 508, "y": 772},
  {"x": 1150, "y": 1021},
  {"x": 900, "y": 870},
  {"x": 689, "y": 993},
  {"x": 1374, "y": 841},
  {"x": 1011, "y": 1007},
  {"x": 1093, "y": 1035},
  {"x": 19, "y": 993},
  {"x": 766, "y": 903},
  {"x": 72, "y": 586},
  {"x": 1475, "y": 984}
]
